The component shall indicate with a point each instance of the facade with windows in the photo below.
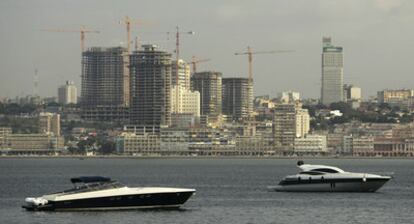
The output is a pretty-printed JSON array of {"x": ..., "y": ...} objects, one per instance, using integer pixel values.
[{"x": 332, "y": 73}]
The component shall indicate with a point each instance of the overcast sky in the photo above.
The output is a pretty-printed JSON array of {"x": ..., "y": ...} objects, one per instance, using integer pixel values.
[{"x": 377, "y": 36}]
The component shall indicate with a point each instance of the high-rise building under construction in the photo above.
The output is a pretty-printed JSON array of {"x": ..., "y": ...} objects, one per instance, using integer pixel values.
[
  {"x": 237, "y": 98},
  {"x": 105, "y": 92},
  {"x": 209, "y": 84},
  {"x": 150, "y": 87}
]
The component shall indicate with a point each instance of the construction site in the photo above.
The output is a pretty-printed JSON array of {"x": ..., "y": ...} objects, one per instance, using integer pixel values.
[
  {"x": 165, "y": 104},
  {"x": 142, "y": 87}
]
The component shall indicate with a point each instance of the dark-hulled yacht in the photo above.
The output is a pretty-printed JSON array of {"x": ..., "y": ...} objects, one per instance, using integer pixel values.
[
  {"x": 321, "y": 178},
  {"x": 102, "y": 193}
]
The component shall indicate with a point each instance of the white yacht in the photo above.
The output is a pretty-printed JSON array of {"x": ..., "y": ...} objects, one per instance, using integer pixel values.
[
  {"x": 102, "y": 193},
  {"x": 321, "y": 178}
]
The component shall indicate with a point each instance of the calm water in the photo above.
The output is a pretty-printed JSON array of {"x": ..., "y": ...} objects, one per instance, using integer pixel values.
[{"x": 228, "y": 191}]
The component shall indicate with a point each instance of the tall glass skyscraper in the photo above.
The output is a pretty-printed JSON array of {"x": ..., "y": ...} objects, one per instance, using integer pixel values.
[{"x": 332, "y": 72}]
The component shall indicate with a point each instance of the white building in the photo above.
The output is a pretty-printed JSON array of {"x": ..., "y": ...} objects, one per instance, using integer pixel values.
[
  {"x": 332, "y": 73},
  {"x": 49, "y": 123},
  {"x": 302, "y": 122},
  {"x": 188, "y": 101},
  {"x": 354, "y": 93},
  {"x": 311, "y": 144},
  {"x": 183, "y": 74},
  {"x": 67, "y": 93},
  {"x": 289, "y": 96},
  {"x": 289, "y": 122}
]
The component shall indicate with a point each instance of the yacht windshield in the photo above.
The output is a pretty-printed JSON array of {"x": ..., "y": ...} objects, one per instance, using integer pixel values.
[
  {"x": 325, "y": 170},
  {"x": 312, "y": 173},
  {"x": 94, "y": 186}
]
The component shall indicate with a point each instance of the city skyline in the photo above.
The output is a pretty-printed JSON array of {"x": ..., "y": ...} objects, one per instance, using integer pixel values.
[{"x": 375, "y": 36}]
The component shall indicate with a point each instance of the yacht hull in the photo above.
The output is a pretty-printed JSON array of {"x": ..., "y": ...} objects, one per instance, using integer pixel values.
[
  {"x": 119, "y": 202},
  {"x": 345, "y": 185}
]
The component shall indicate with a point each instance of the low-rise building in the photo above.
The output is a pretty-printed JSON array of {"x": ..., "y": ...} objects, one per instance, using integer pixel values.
[
  {"x": 335, "y": 141},
  {"x": 311, "y": 144},
  {"x": 5, "y": 132},
  {"x": 363, "y": 146},
  {"x": 399, "y": 97},
  {"x": 346, "y": 145},
  {"x": 184, "y": 120},
  {"x": 175, "y": 141},
  {"x": 35, "y": 144},
  {"x": 49, "y": 123},
  {"x": 393, "y": 147},
  {"x": 403, "y": 131},
  {"x": 133, "y": 144},
  {"x": 254, "y": 146}
]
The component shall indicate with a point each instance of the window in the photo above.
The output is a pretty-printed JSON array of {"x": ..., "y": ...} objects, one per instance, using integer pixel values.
[
  {"x": 313, "y": 172},
  {"x": 325, "y": 170}
]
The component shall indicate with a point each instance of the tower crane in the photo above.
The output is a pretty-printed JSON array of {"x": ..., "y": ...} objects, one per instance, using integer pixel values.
[
  {"x": 195, "y": 61},
  {"x": 82, "y": 30},
  {"x": 250, "y": 54},
  {"x": 177, "y": 41},
  {"x": 177, "y": 55},
  {"x": 177, "y": 49},
  {"x": 128, "y": 22},
  {"x": 177, "y": 35}
]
